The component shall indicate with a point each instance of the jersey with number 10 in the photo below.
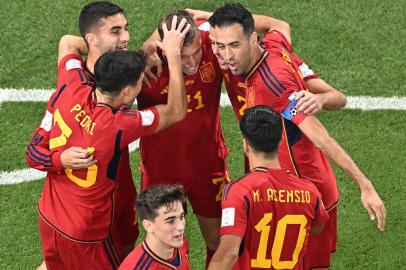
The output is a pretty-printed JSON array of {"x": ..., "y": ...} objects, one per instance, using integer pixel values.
[
  {"x": 272, "y": 211},
  {"x": 80, "y": 203}
]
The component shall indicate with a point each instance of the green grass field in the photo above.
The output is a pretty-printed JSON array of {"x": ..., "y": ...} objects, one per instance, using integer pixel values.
[{"x": 357, "y": 46}]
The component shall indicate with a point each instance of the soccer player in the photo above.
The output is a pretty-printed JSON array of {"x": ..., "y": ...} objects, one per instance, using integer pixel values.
[
  {"x": 104, "y": 27},
  {"x": 160, "y": 210},
  {"x": 193, "y": 152},
  {"x": 272, "y": 79},
  {"x": 269, "y": 210},
  {"x": 76, "y": 208}
]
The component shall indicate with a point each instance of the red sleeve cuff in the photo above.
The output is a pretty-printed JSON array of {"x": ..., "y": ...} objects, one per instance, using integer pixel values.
[{"x": 56, "y": 161}]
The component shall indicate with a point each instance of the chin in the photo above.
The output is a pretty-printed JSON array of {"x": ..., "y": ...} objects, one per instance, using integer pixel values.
[{"x": 190, "y": 72}]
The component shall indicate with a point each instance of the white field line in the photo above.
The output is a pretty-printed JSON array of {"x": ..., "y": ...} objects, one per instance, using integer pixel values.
[{"x": 365, "y": 103}]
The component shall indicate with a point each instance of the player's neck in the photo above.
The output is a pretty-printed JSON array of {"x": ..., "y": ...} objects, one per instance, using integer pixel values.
[
  {"x": 255, "y": 56},
  {"x": 107, "y": 100},
  {"x": 162, "y": 250},
  {"x": 94, "y": 54},
  {"x": 256, "y": 161}
]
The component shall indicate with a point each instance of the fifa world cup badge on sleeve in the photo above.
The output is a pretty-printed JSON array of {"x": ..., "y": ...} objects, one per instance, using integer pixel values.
[{"x": 290, "y": 111}]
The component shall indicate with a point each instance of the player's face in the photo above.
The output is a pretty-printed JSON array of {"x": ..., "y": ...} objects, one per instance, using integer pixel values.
[
  {"x": 113, "y": 34},
  {"x": 234, "y": 47},
  {"x": 191, "y": 56},
  {"x": 222, "y": 63},
  {"x": 169, "y": 226}
]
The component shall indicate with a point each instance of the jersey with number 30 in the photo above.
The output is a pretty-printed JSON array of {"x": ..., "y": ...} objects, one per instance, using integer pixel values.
[
  {"x": 272, "y": 211},
  {"x": 80, "y": 203}
]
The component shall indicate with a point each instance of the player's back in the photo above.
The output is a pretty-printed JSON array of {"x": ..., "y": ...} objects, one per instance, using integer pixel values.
[
  {"x": 79, "y": 203},
  {"x": 281, "y": 208}
]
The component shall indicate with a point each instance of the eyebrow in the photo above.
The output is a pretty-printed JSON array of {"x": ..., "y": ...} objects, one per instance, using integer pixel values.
[{"x": 117, "y": 27}]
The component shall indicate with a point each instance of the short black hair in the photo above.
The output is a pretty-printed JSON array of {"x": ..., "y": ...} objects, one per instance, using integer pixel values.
[
  {"x": 92, "y": 13},
  {"x": 261, "y": 128},
  {"x": 232, "y": 13},
  {"x": 115, "y": 70},
  {"x": 181, "y": 14},
  {"x": 154, "y": 197}
]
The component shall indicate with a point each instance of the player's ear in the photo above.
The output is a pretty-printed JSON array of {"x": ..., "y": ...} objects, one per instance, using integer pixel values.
[
  {"x": 90, "y": 38},
  {"x": 245, "y": 147},
  {"x": 148, "y": 226}
]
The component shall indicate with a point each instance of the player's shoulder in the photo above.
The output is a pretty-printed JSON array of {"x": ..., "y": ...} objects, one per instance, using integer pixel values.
[
  {"x": 305, "y": 184},
  {"x": 70, "y": 62},
  {"x": 244, "y": 184}
]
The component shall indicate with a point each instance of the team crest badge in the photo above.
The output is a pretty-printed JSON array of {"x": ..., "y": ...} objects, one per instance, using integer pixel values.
[{"x": 207, "y": 73}]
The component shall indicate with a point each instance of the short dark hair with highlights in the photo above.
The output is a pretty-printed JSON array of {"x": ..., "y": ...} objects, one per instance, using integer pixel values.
[
  {"x": 232, "y": 13},
  {"x": 261, "y": 128},
  {"x": 181, "y": 14},
  {"x": 92, "y": 14},
  {"x": 115, "y": 70},
  {"x": 154, "y": 197}
]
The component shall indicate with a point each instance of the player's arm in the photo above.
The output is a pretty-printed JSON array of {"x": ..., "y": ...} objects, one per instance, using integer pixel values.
[
  {"x": 227, "y": 253},
  {"x": 70, "y": 44},
  {"x": 321, "y": 96},
  {"x": 153, "y": 60},
  {"x": 175, "y": 109},
  {"x": 318, "y": 134}
]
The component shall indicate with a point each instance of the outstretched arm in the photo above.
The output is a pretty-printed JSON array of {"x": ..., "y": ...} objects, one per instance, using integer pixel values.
[{"x": 371, "y": 201}]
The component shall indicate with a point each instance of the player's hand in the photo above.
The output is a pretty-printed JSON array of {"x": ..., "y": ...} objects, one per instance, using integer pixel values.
[
  {"x": 308, "y": 103},
  {"x": 153, "y": 62},
  {"x": 199, "y": 14},
  {"x": 374, "y": 205},
  {"x": 173, "y": 39},
  {"x": 77, "y": 158}
]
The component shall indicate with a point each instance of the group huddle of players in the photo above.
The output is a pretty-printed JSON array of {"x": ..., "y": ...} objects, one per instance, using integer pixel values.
[{"x": 281, "y": 215}]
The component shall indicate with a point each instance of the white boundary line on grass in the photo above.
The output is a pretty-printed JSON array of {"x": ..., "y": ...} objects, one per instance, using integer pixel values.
[{"x": 364, "y": 103}]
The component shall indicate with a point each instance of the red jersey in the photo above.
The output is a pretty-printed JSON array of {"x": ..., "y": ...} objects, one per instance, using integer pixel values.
[
  {"x": 272, "y": 82},
  {"x": 272, "y": 211},
  {"x": 142, "y": 257},
  {"x": 236, "y": 88},
  {"x": 194, "y": 145},
  {"x": 80, "y": 203}
]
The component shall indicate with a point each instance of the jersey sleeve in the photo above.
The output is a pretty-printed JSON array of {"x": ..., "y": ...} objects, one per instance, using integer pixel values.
[
  {"x": 38, "y": 155},
  {"x": 275, "y": 39},
  {"x": 306, "y": 71},
  {"x": 234, "y": 213},
  {"x": 136, "y": 124},
  {"x": 291, "y": 113}
]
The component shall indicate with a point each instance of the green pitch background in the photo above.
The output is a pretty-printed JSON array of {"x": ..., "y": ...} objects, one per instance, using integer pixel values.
[{"x": 357, "y": 46}]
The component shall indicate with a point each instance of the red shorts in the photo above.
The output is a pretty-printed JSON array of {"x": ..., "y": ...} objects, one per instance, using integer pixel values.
[
  {"x": 322, "y": 245},
  {"x": 204, "y": 191},
  {"x": 61, "y": 252}
]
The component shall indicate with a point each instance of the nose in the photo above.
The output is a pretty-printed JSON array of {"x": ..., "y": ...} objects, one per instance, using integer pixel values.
[
  {"x": 125, "y": 36},
  {"x": 228, "y": 54}
]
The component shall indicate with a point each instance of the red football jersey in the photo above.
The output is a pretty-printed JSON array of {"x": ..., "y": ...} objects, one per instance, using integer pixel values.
[
  {"x": 196, "y": 144},
  {"x": 272, "y": 82},
  {"x": 80, "y": 203},
  {"x": 142, "y": 257},
  {"x": 272, "y": 211},
  {"x": 236, "y": 88}
]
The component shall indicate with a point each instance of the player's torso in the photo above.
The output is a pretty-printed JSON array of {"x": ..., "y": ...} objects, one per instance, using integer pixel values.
[
  {"x": 274, "y": 80},
  {"x": 236, "y": 88},
  {"x": 188, "y": 146},
  {"x": 80, "y": 202}
]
